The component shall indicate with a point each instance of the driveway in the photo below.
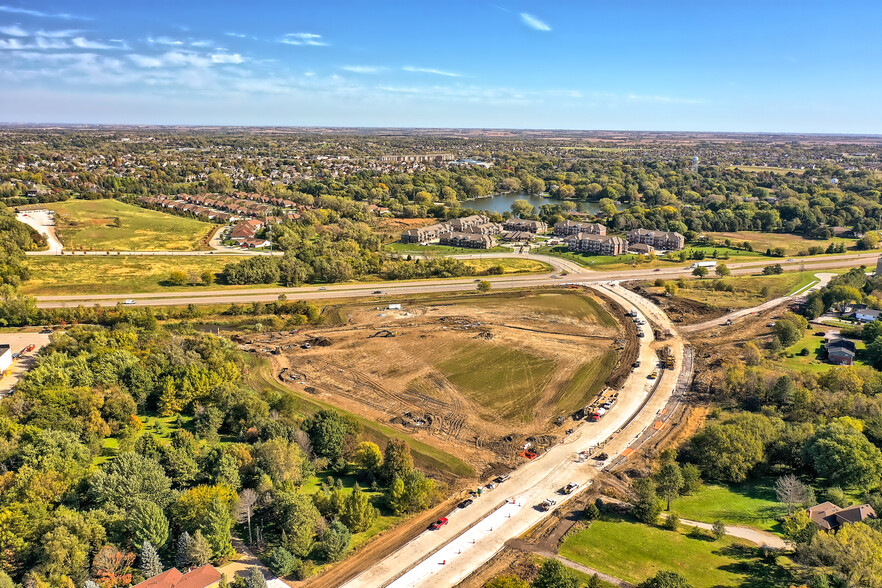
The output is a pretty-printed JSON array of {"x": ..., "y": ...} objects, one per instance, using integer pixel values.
[{"x": 25, "y": 361}]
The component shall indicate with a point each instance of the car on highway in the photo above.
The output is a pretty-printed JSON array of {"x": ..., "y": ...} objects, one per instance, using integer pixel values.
[
  {"x": 128, "y": 301},
  {"x": 46, "y": 331},
  {"x": 569, "y": 488},
  {"x": 439, "y": 523},
  {"x": 378, "y": 291},
  {"x": 465, "y": 503},
  {"x": 547, "y": 504},
  {"x": 323, "y": 288}
]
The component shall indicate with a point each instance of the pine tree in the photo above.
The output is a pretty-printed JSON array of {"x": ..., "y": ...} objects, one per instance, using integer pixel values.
[
  {"x": 255, "y": 579},
  {"x": 182, "y": 556},
  {"x": 150, "y": 562},
  {"x": 200, "y": 550},
  {"x": 217, "y": 530},
  {"x": 358, "y": 513},
  {"x": 147, "y": 523},
  {"x": 169, "y": 403}
]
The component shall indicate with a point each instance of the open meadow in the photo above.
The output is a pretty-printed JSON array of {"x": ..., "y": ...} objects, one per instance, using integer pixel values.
[{"x": 111, "y": 225}]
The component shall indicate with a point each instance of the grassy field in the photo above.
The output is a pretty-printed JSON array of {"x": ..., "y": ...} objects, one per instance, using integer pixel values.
[
  {"x": 414, "y": 249},
  {"x": 510, "y": 265},
  {"x": 748, "y": 289},
  {"x": 633, "y": 552},
  {"x": 505, "y": 380},
  {"x": 116, "y": 274},
  {"x": 630, "y": 261},
  {"x": 587, "y": 382},
  {"x": 116, "y": 226},
  {"x": 792, "y": 244},
  {"x": 781, "y": 171},
  {"x": 751, "y": 504}
]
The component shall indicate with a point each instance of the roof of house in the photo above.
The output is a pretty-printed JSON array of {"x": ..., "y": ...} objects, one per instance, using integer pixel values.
[
  {"x": 865, "y": 312},
  {"x": 829, "y": 516},
  {"x": 4, "y": 349},
  {"x": 841, "y": 345},
  {"x": 201, "y": 577}
]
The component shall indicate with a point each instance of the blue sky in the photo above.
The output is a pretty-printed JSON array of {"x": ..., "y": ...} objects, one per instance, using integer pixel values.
[{"x": 590, "y": 64}]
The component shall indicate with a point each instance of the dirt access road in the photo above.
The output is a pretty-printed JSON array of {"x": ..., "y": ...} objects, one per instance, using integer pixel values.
[
  {"x": 43, "y": 223},
  {"x": 475, "y": 534}
]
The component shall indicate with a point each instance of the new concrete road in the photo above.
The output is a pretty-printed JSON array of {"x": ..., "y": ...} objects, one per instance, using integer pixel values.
[
  {"x": 474, "y": 534},
  {"x": 25, "y": 361},
  {"x": 575, "y": 274}
]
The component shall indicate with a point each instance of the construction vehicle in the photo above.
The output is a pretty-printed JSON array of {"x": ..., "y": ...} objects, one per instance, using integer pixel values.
[
  {"x": 383, "y": 333},
  {"x": 547, "y": 504},
  {"x": 669, "y": 358}
]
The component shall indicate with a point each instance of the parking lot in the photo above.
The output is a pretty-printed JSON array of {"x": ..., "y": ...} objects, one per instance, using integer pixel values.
[{"x": 22, "y": 363}]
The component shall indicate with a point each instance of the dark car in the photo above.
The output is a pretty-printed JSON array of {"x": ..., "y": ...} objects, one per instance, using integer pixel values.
[
  {"x": 501, "y": 478},
  {"x": 636, "y": 364},
  {"x": 438, "y": 524},
  {"x": 378, "y": 291},
  {"x": 465, "y": 503}
]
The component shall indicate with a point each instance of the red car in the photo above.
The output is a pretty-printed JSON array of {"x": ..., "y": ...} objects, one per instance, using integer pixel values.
[{"x": 438, "y": 524}]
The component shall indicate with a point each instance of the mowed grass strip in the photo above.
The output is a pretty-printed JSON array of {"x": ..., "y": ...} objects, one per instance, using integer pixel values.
[
  {"x": 116, "y": 226},
  {"x": 587, "y": 381},
  {"x": 792, "y": 244},
  {"x": 509, "y": 265},
  {"x": 752, "y": 504},
  {"x": 633, "y": 552},
  {"x": 117, "y": 274},
  {"x": 507, "y": 382}
]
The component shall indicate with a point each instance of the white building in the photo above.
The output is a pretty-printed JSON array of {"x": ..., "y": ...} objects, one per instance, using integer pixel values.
[{"x": 5, "y": 358}]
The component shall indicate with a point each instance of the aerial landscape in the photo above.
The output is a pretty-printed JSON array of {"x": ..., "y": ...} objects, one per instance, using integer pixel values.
[{"x": 399, "y": 295}]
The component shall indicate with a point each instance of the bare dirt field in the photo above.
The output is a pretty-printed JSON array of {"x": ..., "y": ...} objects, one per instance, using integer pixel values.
[{"x": 476, "y": 376}]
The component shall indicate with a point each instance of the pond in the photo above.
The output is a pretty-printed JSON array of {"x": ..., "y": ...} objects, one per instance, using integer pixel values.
[{"x": 502, "y": 202}]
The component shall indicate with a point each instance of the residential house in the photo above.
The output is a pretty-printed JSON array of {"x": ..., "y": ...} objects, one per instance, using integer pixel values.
[
  {"x": 841, "y": 351},
  {"x": 867, "y": 315},
  {"x": 599, "y": 244},
  {"x": 203, "y": 577},
  {"x": 525, "y": 226},
  {"x": 566, "y": 227},
  {"x": 424, "y": 234},
  {"x": 458, "y": 224},
  {"x": 641, "y": 248},
  {"x": 246, "y": 229},
  {"x": 830, "y": 517},
  {"x": 667, "y": 240}
]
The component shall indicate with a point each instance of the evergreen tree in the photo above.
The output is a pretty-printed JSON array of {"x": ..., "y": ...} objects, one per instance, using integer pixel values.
[
  {"x": 200, "y": 551},
  {"x": 335, "y": 541},
  {"x": 553, "y": 574},
  {"x": 217, "y": 530},
  {"x": 182, "y": 555},
  {"x": 147, "y": 523},
  {"x": 255, "y": 579},
  {"x": 150, "y": 562},
  {"x": 358, "y": 513}
]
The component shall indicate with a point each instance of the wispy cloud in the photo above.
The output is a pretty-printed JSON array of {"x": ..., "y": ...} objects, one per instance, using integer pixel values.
[
  {"x": 13, "y": 31},
  {"x": 165, "y": 41},
  {"x": 310, "y": 39},
  {"x": 41, "y": 14},
  {"x": 227, "y": 58},
  {"x": 534, "y": 23},
  {"x": 429, "y": 70},
  {"x": 362, "y": 69},
  {"x": 84, "y": 43}
]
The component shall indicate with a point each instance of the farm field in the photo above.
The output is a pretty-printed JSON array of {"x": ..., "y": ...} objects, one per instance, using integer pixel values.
[
  {"x": 124, "y": 274},
  {"x": 792, "y": 244},
  {"x": 633, "y": 551},
  {"x": 473, "y": 376},
  {"x": 116, "y": 226}
]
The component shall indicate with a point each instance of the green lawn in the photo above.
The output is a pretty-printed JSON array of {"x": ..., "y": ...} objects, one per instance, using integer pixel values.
[
  {"x": 813, "y": 362},
  {"x": 509, "y": 265},
  {"x": 414, "y": 249},
  {"x": 792, "y": 244},
  {"x": 748, "y": 289},
  {"x": 507, "y": 381},
  {"x": 633, "y": 552},
  {"x": 116, "y": 226},
  {"x": 751, "y": 504}
]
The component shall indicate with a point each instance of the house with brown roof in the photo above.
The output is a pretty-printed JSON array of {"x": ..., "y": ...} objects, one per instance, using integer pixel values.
[
  {"x": 830, "y": 517},
  {"x": 203, "y": 577}
]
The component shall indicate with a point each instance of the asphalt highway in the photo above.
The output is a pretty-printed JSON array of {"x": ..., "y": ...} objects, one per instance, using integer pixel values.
[{"x": 574, "y": 274}]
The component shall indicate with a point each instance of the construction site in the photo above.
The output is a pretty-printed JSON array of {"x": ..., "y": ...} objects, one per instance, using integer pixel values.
[{"x": 493, "y": 379}]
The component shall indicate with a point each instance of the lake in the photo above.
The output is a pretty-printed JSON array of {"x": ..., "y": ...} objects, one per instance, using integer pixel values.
[{"x": 503, "y": 202}]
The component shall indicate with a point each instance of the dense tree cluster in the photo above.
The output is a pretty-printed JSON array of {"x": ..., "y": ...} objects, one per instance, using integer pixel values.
[{"x": 127, "y": 450}]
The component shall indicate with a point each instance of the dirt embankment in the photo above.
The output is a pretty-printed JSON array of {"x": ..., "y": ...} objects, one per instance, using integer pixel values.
[{"x": 680, "y": 310}]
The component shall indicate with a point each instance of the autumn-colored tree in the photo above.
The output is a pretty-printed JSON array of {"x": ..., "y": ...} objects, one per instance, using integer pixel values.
[{"x": 112, "y": 567}]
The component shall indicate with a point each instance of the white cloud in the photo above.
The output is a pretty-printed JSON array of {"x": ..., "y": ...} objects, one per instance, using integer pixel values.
[
  {"x": 145, "y": 60},
  {"x": 30, "y": 12},
  {"x": 362, "y": 69},
  {"x": 60, "y": 34},
  {"x": 84, "y": 43},
  {"x": 310, "y": 39},
  {"x": 13, "y": 31},
  {"x": 13, "y": 44},
  {"x": 227, "y": 58},
  {"x": 534, "y": 23},
  {"x": 429, "y": 70},
  {"x": 164, "y": 41},
  {"x": 201, "y": 43},
  {"x": 50, "y": 43}
]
